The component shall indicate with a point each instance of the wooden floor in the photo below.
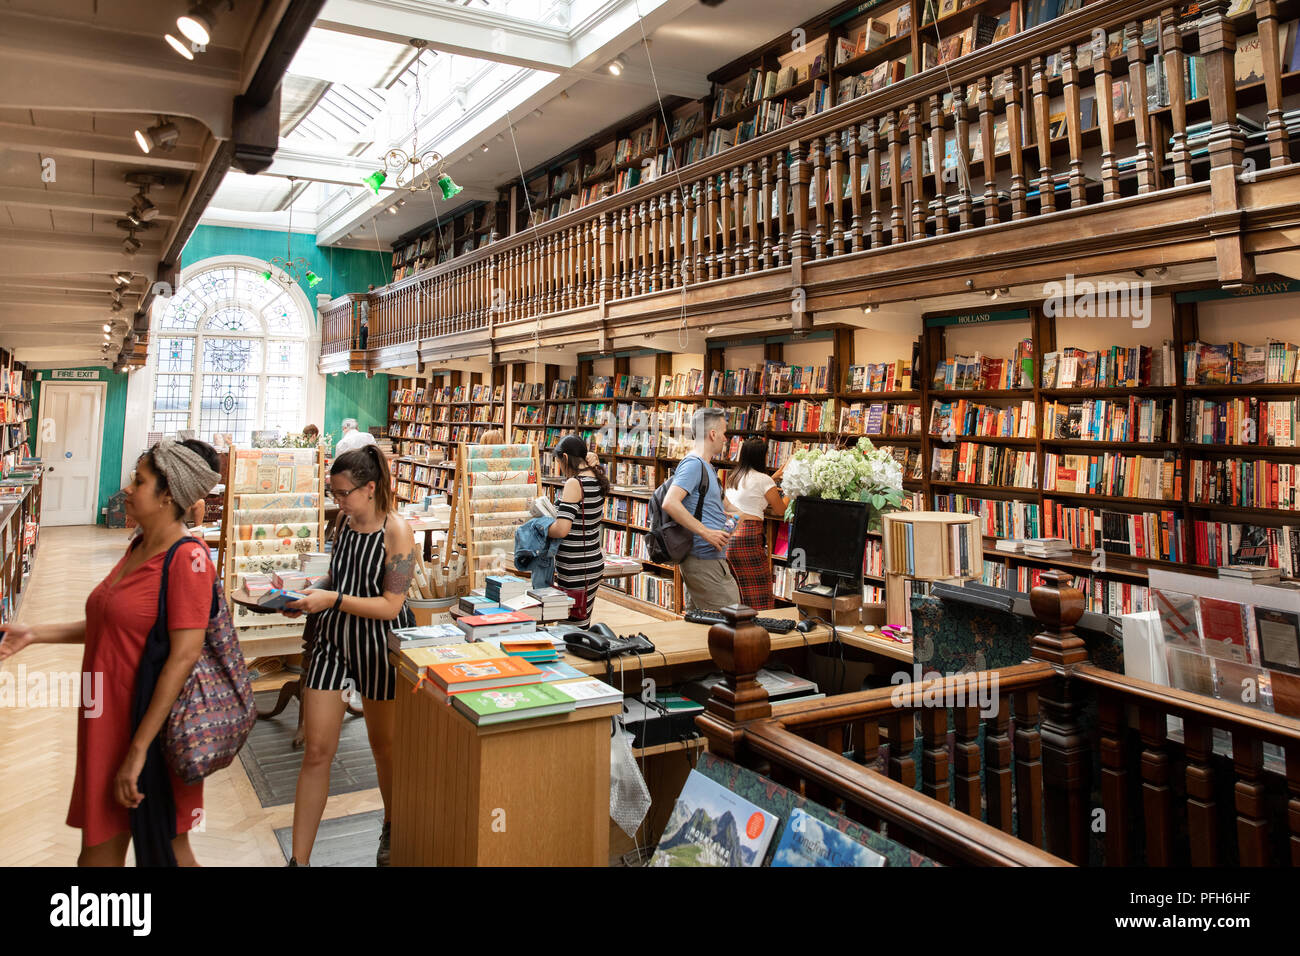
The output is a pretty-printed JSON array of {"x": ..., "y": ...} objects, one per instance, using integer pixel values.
[{"x": 38, "y": 745}]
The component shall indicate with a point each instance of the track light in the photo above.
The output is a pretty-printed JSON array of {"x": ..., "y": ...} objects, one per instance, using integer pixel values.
[
  {"x": 617, "y": 66},
  {"x": 107, "y": 328},
  {"x": 131, "y": 245},
  {"x": 868, "y": 309},
  {"x": 484, "y": 147},
  {"x": 144, "y": 209},
  {"x": 392, "y": 210},
  {"x": 162, "y": 136},
  {"x": 117, "y": 306},
  {"x": 123, "y": 279},
  {"x": 178, "y": 46},
  {"x": 196, "y": 26}
]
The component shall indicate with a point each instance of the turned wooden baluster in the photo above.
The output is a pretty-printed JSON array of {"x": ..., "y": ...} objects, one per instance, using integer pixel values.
[
  {"x": 608, "y": 285},
  {"x": 1027, "y": 743},
  {"x": 638, "y": 276},
  {"x": 855, "y": 188},
  {"x": 934, "y": 753},
  {"x": 837, "y": 196},
  {"x": 751, "y": 208},
  {"x": 528, "y": 264},
  {"x": 800, "y": 235},
  {"x": 1137, "y": 84},
  {"x": 654, "y": 246},
  {"x": 902, "y": 738},
  {"x": 1279, "y": 152},
  {"x": 817, "y": 197},
  {"x": 571, "y": 270},
  {"x": 875, "y": 221},
  {"x": 1074, "y": 123},
  {"x": 709, "y": 229},
  {"x": 1015, "y": 140},
  {"x": 783, "y": 250},
  {"x": 765, "y": 211},
  {"x": 690, "y": 248},
  {"x": 647, "y": 247},
  {"x": 939, "y": 171},
  {"x": 1157, "y": 802},
  {"x": 898, "y": 224},
  {"x": 966, "y": 760},
  {"x": 677, "y": 273},
  {"x": 1175, "y": 65},
  {"x": 1249, "y": 791},
  {"x": 916, "y": 145},
  {"x": 736, "y": 227},
  {"x": 997, "y": 764},
  {"x": 962, "y": 124},
  {"x": 665, "y": 241},
  {"x": 722, "y": 253},
  {"x": 1202, "y": 808},
  {"x": 1101, "y": 71},
  {"x": 987, "y": 151},
  {"x": 866, "y": 741},
  {"x": 1042, "y": 137},
  {"x": 1293, "y": 803}
]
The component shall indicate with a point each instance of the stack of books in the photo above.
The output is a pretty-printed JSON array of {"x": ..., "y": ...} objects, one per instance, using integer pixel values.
[
  {"x": 476, "y": 603},
  {"x": 537, "y": 648},
  {"x": 555, "y": 604},
  {"x": 314, "y": 564},
  {"x": 1252, "y": 573},
  {"x": 489, "y": 627},
  {"x": 1047, "y": 548},
  {"x": 429, "y": 635},
  {"x": 501, "y": 587},
  {"x": 290, "y": 580}
]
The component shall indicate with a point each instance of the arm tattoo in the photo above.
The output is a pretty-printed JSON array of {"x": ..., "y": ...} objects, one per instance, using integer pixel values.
[{"x": 398, "y": 572}]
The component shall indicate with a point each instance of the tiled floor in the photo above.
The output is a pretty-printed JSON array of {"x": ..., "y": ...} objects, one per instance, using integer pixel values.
[{"x": 38, "y": 744}]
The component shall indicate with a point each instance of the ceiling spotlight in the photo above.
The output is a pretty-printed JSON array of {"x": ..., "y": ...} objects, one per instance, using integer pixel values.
[
  {"x": 617, "y": 66},
  {"x": 564, "y": 94},
  {"x": 537, "y": 113},
  {"x": 196, "y": 25},
  {"x": 107, "y": 328},
  {"x": 485, "y": 147},
  {"x": 123, "y": 279},
  {"x": 1162, "y": 270},
  {"x": 144, "y": 209},
  {"x": 392, "y": 210},
  {"x": 161, "y": 136},
  {"x": 131, "y": 245},
  {"x": 868, "y": 309},
  {"x": 117, "y": 305},
  {"x": 179, "y": 47}
]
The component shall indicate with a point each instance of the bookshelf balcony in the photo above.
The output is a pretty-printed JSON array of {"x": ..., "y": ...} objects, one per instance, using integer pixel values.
[{"x": 850, "y": 202}]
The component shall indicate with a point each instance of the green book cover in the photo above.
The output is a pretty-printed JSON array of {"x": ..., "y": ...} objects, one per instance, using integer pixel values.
[{"x": 513, "y": 703}]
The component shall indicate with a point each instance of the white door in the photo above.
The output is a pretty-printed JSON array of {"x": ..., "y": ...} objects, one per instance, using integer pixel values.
[{"x": 68, "y": 443}]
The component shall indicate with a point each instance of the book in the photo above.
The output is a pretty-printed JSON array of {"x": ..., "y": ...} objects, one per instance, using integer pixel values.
[
  {"x": 433, "y": 655},
  {"x": 1278, "y": 633},
  {"x": 589, "y": 692},
  {"x": 1177, "y": 618},
  {"x": 497, "y": 706},
  {"x": 711, "y": 826},
  {"x": 807, "y": 841},
  {"x": 429, "y": 635},
  {"x": 497, "y": 672},
  {"x": 1226, "y": 629}
]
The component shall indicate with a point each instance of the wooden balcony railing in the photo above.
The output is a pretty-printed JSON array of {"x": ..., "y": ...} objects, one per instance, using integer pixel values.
[
  {"x": 860, "y": 176},
  {"x": 1027, "y": 795}
]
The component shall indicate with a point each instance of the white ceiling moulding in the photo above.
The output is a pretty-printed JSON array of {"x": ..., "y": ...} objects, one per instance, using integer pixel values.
[
  {"x": 76, "y": 144},
  {"x": 24, "y": 252},
  {"x": 450, "y": 28},
  {"x": 62, "y": 201}
]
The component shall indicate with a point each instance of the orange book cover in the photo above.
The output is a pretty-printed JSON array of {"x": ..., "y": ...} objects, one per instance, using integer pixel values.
[{"x": 462, "y": 676}]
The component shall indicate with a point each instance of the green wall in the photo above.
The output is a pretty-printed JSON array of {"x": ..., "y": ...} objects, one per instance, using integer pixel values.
[
  {"x": 348, "y": 395},
  {"x": 110, "y": 454},
  {"x": 341, "y": 270}
]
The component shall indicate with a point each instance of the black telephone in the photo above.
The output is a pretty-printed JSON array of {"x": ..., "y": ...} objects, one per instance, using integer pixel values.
[{"x": 600, "y": 643}]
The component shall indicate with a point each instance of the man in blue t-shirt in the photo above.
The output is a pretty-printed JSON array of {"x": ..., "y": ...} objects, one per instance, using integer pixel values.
[{"x": 710, "y": 584}]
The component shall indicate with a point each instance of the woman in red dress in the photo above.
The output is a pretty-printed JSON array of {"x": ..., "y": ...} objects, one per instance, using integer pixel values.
[{"x": 169, "y": 481}]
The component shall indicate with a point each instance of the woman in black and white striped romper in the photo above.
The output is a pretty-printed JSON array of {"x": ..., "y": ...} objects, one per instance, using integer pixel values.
[
  {"x": 580, "y": 560},
  {"x": 363, "y": 598}
]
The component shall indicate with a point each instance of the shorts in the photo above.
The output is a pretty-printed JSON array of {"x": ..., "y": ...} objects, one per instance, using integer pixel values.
[
  {"x": 710, "y": 585},
  {"x": 358, "y": 662}
]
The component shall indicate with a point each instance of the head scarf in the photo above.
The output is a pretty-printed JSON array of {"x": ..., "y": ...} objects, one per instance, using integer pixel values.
[{"x": 188, "y": 476}]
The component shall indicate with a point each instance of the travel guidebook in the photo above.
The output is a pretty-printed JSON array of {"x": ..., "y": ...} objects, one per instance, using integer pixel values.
[
  {"x": 806, "y": 841},
  {"x": 711, "y": 826}
]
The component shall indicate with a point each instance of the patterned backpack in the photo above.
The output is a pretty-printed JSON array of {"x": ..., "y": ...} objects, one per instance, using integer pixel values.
[{"x": 215, "y": 711}]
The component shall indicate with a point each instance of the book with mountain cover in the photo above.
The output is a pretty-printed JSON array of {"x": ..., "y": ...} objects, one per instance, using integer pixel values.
[
  {"x": 807, "y": 841},
  {"x": 711, "y": 826}
]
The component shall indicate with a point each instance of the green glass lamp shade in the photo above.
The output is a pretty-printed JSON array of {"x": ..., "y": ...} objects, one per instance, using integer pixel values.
[
  {"x": 312, "y": 278},
  {"x": 266, "y": 276},
  {"x": 375, "y": 180},
  {"x": 448, "y": 186}
]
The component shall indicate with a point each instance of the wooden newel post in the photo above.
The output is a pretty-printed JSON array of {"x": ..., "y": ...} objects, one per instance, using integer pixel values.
[
  {"x": 1067, "y": 751},
  {"x": 738, "y": 648}
]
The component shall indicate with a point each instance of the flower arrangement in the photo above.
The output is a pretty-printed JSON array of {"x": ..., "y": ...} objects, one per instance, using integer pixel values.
[
  {"x": 862, "y": 472},
  {"x": 296, "y": 440}
]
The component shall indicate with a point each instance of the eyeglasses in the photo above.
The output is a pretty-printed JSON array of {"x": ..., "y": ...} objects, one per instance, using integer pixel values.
[{"x": 342, "y": 495}]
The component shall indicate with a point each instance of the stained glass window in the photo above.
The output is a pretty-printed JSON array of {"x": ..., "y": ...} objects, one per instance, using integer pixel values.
[{"x": 215, "y": 368}]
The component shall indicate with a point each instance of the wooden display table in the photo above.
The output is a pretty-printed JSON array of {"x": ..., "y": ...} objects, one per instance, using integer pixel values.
[{"x": 526, "y": 793}]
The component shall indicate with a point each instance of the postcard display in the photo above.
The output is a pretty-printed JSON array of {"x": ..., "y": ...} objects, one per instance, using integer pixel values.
[
  {"x": 275, "y": 511},
  {"x": 495, "y": 485}
]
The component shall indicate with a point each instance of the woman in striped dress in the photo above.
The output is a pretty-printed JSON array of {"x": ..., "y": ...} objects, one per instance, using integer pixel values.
[
  {"x": 362, "y": 599},
  {"x": 580, "y": 560}
]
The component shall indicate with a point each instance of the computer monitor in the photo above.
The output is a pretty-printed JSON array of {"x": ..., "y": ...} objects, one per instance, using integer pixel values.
[{"x": 831, "y": 538}]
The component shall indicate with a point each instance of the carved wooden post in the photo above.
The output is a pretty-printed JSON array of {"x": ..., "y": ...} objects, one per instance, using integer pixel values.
[
  {"x": 1067, "y": 756},
  {"x": 916, "y": 144},
  {"x": 837, "y": 196},
  {"x": 1279, "y": 154},
  {"x": 606, "y": 240},
  {"x": 1218, "y": 41},
  {"x": 938, "y": 133},
  {"x": 1015, "y": 139},
  {"x": 751, "y": 207},
  {"x": 962, "y": 124},
  {"x": 1175, "y": 64},
  {"x": 817, "y": 190},
  {"x": 1073, "y": 119},
  {"x": 1042, "y": 138},
  {"x": 987, "y": 151},
  {"x": 875, "y": 221},
  {"x": 800, "y": 237},
  {"x": 738, "y": 648},
  {"x": 783, "y": 250},
  {"x": 767, "y": 258},
  {"x": 1137, "y": 85},
  {"x": 855, "y": 188}
]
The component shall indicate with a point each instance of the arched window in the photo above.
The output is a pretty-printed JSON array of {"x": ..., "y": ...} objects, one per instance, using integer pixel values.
[{"x": 231, "y": 351}]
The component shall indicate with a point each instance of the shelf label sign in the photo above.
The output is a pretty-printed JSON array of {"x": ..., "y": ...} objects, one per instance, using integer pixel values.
[
  {"x": 1275, "y": 287},
  {"x": 976, "y": 318}
]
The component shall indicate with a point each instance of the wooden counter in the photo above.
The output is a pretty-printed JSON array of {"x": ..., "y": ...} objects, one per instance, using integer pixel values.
[{"x": 524, "y": 793}]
